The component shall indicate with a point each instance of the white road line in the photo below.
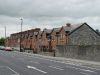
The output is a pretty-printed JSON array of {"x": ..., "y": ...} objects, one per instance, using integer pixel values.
[
  {"x": 34, "y": 62},
  {"x": 67, "y": 63},
  {"x": 13, "y": 71},
  {"x": 31, "y": 67},
  {"x": 84, "y": 73},
  {"x": 57, "y": 61},
  {"x": 49, "y": 59},
  {"x": 81, "y": 69},
  {"x": 53, "y": 60},
  {"x": 56, "y": 67},
  {"x": 89, "y": 67}
]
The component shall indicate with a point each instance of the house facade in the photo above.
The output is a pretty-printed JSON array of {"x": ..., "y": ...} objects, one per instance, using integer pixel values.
[{"x": 45, "y": 40}]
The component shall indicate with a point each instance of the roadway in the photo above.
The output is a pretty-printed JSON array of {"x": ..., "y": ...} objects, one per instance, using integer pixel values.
[{"x": 16, "y": 63}]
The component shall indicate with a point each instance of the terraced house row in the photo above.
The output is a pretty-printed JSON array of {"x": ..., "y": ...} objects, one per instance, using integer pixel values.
[{"x": 48, "y": 39}]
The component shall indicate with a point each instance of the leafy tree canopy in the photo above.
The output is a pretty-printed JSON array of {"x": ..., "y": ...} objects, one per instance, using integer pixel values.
[{"x": 2, "y": 41}]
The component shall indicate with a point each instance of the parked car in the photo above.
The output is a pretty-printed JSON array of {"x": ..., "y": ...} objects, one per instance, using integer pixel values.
[
  {"x": 8, "y": 49},
  {"x": 2, "y": 47}
]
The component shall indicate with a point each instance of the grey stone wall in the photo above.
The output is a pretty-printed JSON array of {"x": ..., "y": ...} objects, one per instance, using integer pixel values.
[
  {"x": 84, "y": 36},
  {"x": 84, "y": 43},
  {"x": 46, "y": 53},
  {"x": 89, "y": 52}
]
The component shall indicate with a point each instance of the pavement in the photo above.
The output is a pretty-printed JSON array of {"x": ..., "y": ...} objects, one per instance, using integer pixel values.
[{"x": 20, "y": 63}]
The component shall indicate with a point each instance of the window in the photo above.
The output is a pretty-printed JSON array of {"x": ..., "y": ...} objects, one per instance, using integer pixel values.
[{"x": 61, "y": 36}]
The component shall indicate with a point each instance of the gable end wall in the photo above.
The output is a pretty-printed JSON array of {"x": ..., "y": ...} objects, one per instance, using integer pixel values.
[{"x": 84, "y": 36}]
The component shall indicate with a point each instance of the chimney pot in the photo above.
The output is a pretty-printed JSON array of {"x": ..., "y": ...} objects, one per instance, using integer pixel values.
[{"x": 68, "y": 24}]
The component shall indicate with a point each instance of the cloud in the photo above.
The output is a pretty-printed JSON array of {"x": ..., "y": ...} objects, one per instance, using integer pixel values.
[
  {"x": 50, "y": 8},
  {"x": 47, "y": 13}
]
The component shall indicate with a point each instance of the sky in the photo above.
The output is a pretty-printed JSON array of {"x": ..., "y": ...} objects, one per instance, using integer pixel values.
[{"x": 47, "y": 14}]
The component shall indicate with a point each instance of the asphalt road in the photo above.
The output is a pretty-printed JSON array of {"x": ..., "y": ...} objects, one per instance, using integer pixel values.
[{"x": 16, "y": 63}]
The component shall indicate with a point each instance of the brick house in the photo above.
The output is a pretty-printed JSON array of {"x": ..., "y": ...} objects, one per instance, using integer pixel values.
[
  {"x": 35, "y": 44},
  {"x": 25, "y": 37},
  {"x": 13, "y": 40},
  {"x": 60, "y": 35},
  {"x": 54, "y": 36},
  {"x": 45, "y": 36},
  {"x": 31, "y": 40},
  {"x": 39, "y": 41}
]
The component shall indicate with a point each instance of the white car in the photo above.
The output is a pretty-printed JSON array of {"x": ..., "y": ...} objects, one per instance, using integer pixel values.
[{"x": 8, "y": 49}]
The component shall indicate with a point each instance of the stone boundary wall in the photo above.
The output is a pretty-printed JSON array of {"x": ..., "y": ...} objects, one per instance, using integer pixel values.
[
  {"x": 89, "y": 52},
  {"x": 46, "y": 53}
]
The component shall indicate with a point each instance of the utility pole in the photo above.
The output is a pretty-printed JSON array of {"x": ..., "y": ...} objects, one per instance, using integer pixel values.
[
  {"x": 5, "y": 35},
  {"x": 21, "y": 35}
]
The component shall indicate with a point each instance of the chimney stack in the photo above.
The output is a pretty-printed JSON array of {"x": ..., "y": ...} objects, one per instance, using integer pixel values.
[
  {"x": 37, "y": 29},
  {"x": 68, "y": 24}
]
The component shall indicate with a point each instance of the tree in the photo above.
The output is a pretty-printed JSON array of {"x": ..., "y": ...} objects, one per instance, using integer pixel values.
[{"x": 2, "y": 41}]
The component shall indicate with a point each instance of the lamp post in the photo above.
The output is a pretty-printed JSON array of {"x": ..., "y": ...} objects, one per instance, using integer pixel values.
[
  {"x": 5, "y": 36},
  {"x": 21, "y": 35}
]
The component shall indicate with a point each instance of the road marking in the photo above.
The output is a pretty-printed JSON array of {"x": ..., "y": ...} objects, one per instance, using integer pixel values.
[
  {"x": 79, "y": 65},
  {"x": 11, "y": 70},
  {"x": 34, "y": 62},
  {"x": 81, "y": 69},
  {"x": 31, "y": 67},
  {"x": 56, "y": 67},
  {"x": 89, "y": 67},
  {"x": 48, "y": 59},
  {"x": 57, "y": 61}
]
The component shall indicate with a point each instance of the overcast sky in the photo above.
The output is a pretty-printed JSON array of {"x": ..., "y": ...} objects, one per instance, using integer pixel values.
[{"x": 47, "y": 14}]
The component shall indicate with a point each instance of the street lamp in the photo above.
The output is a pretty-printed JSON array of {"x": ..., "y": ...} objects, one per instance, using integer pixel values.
[
  {"x": 21, "y": 35},
  {"x": 5, "y": 36}
]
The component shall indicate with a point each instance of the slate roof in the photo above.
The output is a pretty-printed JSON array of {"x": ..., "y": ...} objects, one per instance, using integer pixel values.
[
  {"x": 40, "y": 32},
  {"x": 68, "y": 28},
  {"x": 80, "y": 25},
  {"x": 72, "y": 27},
  {"x": 57, "y": 29},
  {"x": 47, "y": 30}
]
